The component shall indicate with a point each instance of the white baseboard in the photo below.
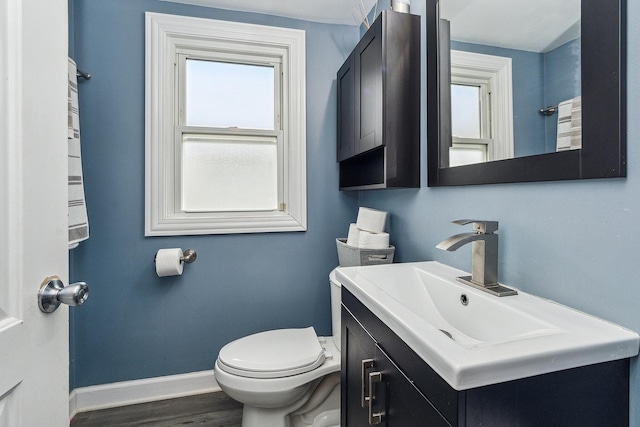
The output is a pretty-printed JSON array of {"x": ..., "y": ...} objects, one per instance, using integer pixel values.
[{"x": 140, "y": 391}]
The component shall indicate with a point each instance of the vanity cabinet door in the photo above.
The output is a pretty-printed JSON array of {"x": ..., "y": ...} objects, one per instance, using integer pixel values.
[
  {"x": 358, "y": 353},
  {"x": 374, "y": 389},
  {"x": 404, "y": 404}
]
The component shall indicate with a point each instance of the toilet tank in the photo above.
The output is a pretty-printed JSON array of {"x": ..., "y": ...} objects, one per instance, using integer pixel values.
[{"x": 335, "y": 308}]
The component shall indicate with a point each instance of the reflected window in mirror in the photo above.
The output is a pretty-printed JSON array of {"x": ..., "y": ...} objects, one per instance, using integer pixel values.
[{"x": 481, "y": 108}]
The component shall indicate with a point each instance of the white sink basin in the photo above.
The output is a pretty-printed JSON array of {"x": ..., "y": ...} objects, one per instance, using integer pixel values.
[{"x": 490, "y": 339}]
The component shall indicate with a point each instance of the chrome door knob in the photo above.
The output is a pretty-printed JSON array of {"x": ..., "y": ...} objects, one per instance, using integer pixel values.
[{"x": 53, "y": 293}]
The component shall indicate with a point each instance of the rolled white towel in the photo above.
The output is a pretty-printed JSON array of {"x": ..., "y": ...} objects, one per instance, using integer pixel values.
[
  {"x": 371, "y": 220},
  {"x": 369, "y": 240}
]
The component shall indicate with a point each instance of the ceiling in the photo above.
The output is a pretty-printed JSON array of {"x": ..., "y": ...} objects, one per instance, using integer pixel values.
[
  {"x": 343, "y": 12},
  {"x": 532, "y": 25}
]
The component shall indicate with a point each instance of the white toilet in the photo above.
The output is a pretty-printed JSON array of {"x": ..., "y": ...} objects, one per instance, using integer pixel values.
[{"x": 285, "y": 377}]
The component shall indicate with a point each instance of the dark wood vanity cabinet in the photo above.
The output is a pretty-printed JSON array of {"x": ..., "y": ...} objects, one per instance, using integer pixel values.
[
  {"x": 379, "y": 106},
  {"x": 407, "y": 392}
]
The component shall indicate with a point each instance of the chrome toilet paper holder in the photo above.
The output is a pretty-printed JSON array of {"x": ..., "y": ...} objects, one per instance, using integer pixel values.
[{"x": 188, "y": 256}]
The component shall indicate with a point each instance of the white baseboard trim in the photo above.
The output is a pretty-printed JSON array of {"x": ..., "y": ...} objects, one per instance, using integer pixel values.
[{"x": 140, "y": 391}]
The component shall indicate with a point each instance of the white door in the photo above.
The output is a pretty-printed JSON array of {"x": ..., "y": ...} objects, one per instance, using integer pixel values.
[{"x": 34, "y": 352}]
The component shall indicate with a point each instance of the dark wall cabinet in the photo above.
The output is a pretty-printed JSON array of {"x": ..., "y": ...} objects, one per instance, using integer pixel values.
[
  {"x": 379, "y": 106},
  {"x": 385, "y": 383}
]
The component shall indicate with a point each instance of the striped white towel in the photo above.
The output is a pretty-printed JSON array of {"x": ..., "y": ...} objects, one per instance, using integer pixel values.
[
  {"x": 569, "y": 124},
  {"x": 78, "y": 220},
  {"x": 564, "y": 126},
  {"x": 576, "y": 123}
]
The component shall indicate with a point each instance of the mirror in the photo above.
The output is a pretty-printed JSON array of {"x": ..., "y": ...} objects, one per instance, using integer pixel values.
[
  {"x": 509, "y": 60},
  {"x": 514, "y": 141}
]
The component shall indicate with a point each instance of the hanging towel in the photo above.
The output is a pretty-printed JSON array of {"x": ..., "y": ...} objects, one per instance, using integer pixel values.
[
  {"x": 576, "y": 123},
  {"x": 570, "y": 124},
  {"x": 78, "y": 220},
  {"x": 564, "y": 125}
]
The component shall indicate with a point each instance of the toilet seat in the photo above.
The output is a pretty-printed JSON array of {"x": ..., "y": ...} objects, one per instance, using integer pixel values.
[{"x": 273, "y": 354}]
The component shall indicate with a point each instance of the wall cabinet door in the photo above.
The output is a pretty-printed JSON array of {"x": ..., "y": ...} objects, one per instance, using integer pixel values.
[
  {"x": 360, "y": 97},
  {"x": 368, "y": 67},
  {"x": 346, "y": 109}
]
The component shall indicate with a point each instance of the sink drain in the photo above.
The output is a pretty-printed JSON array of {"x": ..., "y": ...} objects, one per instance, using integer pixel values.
[{"x": 464, "y": 299}]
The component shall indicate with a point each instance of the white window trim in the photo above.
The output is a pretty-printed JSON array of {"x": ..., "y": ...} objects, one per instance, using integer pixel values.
[
  {"x": 497, "y": 70},
  {"x": 165, "y": 35}
]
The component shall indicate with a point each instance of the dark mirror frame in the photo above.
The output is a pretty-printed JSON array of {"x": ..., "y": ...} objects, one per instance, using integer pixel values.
[{"x": 604, "y": 149}]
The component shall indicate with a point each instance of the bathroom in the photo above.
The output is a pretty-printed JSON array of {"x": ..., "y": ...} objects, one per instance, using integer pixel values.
[
  {"x": 570, "y": 241},
  {"x": 561, "y": 240}
]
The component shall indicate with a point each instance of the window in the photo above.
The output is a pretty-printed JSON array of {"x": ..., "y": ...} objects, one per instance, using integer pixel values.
[
  {"x": 225, "y": 127},
  {"x": 481, "y": 108}
]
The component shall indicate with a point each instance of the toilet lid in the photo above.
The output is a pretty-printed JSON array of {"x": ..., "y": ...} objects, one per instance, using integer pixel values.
[{"x": 273, "y": 354}]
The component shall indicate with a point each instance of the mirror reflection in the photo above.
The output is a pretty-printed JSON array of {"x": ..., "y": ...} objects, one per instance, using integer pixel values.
[{"x": 515, "y": 78}]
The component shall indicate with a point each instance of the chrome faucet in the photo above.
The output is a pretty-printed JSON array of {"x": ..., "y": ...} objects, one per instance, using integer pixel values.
[{"x": 484, "y": 256}]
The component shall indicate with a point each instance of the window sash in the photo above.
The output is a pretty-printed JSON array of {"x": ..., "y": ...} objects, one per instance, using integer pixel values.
[
  {"x": 485, "y": 90},
  {"x": 479, "y": 144},
  {"x": 246, "y": 58},
  {"x": 238, "y": 135}
]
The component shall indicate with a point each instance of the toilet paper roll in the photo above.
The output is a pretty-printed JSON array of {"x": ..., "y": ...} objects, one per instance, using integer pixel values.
[
  {"x": 354, "y": 235},
  {"x": 369, "y": 240},
  {"x": 168, "y": 262},
  {"x": 371, "y": 220}
]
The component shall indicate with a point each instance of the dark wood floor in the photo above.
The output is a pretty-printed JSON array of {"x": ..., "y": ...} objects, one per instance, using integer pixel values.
[{"x": 211, "y": 410}]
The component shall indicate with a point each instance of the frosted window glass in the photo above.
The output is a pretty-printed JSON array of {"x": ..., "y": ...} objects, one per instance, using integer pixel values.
[
  {"x": 229, "y": 173},
  {"x": 459, "y": 156},
  {"x": 465, "y": 111},
  {"x": 221, "y": 94}
]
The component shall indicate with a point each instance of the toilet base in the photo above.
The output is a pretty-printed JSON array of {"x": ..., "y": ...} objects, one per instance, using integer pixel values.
[
  {"x": 323, "y": 415},
  {"x": 256, "y": 417},
  {"x": 327, "y": 414},
  {"x": 330, "y": 418}
]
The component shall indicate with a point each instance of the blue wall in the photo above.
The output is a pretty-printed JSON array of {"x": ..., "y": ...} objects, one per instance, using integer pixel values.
[
  {"x": 574, "y": 242},
  {"x": 136, "y": 325}
]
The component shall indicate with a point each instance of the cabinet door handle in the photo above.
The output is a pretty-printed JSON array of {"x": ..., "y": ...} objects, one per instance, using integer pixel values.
[
  {"x": 374, "y": 378},
  {"x": 366, "y": 364}
]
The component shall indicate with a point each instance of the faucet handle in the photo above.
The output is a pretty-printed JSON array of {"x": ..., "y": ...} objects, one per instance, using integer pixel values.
[{"x": 479, "y": 226}]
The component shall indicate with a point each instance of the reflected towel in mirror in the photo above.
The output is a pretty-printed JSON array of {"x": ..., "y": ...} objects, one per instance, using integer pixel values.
[{"x": 569, "y": 124}]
